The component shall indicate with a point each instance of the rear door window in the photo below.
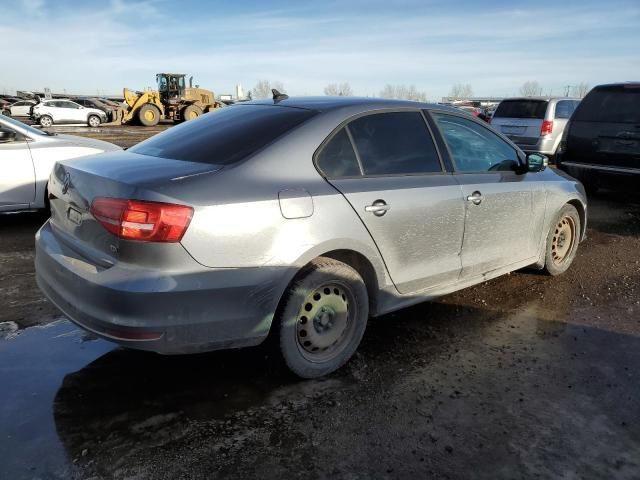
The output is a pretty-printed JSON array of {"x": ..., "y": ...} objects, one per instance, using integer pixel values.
[
  {"x": 610, "y": 105},
  {"x": 535, "y": 109},
  {"x": 394, "y": 143},
  {"x": 475, "y": 148},
  {"x": 337, "y": 158},
  {"x": 226, "y": 136},
  {"x": 565, "y": 108}
]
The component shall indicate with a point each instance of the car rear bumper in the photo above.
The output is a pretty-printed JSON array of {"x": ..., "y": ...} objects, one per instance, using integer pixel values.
[
  {"x": 543, "y": 145},
  {"x": 166, "y": 312}
]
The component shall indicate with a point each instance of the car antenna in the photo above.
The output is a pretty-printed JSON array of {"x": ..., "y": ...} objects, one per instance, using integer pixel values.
[{"x": 277, "y": 96}]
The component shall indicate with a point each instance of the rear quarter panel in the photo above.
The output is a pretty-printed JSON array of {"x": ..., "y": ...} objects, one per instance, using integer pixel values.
[{"x": 238, "y": 221}]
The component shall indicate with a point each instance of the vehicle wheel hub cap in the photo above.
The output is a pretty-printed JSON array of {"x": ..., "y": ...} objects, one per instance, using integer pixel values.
[
  {"x": 563, "y": 240},
  {"x": 323, "y": 319}
]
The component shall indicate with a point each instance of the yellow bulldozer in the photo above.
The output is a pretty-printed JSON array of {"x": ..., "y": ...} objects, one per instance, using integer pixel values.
[{"x": 172, "y": 101}]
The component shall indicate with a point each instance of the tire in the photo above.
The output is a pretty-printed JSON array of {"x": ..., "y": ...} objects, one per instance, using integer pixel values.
[
  {"x": 45, "y": 121},
  {"x": 322, "y": 318},
  {"x": 149, "y": 115},
  {"x": 562, "y": 241},
  {"x": 191, "y": 112},
  {"x": 93, "y": 121}
]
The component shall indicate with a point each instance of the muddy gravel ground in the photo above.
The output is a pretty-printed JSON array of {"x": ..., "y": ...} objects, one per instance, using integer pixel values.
[{"x": 525, "y": 376}]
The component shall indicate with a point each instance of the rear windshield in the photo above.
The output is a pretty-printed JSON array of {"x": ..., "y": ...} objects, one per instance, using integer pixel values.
[
  {"x": 610, "y": 105},
  {"x": 521, "y": 109},
  {"x": 226, "y": 136}
]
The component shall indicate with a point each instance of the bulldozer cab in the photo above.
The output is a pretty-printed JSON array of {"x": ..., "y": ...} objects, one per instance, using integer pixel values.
[{"x": 171, "y": 86}]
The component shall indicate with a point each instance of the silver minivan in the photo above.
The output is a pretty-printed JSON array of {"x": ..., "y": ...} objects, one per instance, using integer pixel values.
[{"x": 535, "y": 124}]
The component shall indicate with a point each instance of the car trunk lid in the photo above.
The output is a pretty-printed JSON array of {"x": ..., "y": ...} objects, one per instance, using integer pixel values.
[{"x": 74, "y": 185}]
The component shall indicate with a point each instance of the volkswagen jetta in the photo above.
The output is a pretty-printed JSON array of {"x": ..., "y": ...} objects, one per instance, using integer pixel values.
[{"x": 297, "y": 220}]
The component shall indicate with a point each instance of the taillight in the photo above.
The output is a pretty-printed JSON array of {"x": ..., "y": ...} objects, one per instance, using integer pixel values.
[
  {"x": 140, "y": 220},
  {"x": 546, "y": 128}
]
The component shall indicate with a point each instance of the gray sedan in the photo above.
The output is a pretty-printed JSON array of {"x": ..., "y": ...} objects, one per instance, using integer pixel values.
[{"x": 296, "y": 220}]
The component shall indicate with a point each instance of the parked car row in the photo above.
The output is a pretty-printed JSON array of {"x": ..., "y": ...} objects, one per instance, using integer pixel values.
[
  {"x": 91, "y": 111},
  {"x": 60, "y": 111},
  {"x": 596, "y": 140}
]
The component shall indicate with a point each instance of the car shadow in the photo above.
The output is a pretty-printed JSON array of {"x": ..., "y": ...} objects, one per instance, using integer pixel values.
[
  {"x": 615, "y": 211},
  {"x": 125, "y": 394}
]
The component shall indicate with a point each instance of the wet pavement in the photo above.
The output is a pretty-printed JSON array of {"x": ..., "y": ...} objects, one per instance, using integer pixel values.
[{"x": 525, "y": 376}]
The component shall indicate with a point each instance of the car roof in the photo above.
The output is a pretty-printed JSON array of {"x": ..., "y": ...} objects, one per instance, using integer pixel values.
[
  {"x": 328, "y": 103},
  {"x": 541, "y": 98},
  {"x": 633, "y": 84}
]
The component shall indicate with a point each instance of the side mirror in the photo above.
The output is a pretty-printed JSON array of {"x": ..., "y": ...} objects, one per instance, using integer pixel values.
[
  {"x": 536, "y": 162},
  {"x": 7, "y": 135}
]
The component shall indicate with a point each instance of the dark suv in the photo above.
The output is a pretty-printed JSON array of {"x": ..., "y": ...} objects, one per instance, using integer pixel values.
[{"x": 602, "y": 142}]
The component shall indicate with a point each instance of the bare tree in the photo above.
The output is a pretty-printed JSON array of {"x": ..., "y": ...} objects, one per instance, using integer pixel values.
[
  {"x": 403, "y": 92},
  {"x": 263, "y": 89},
  {"x": 461, "y": 91},
  {"x": 580, "y": 90},
  {"x": 530, "y": 89},
  {"x": 338, "y": 90}
]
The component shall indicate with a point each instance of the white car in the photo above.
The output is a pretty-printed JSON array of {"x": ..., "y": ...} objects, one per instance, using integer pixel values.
[
  {"x": 21, "y": 108},
  {"x": 28, "y": 156},
  {"x": 48, "y": 112}
]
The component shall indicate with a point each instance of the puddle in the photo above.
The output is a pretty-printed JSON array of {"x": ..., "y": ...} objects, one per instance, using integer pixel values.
[
  {"x": 66, "y": 395},
  {"x": 33, "y": 366}
]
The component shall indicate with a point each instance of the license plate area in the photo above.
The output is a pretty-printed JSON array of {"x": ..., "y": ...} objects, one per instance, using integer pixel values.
[
  {"x": 75, "y": 216},
  {"x": 512, "y": 130}
]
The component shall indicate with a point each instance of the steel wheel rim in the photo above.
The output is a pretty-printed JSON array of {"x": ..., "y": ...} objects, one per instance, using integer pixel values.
[
  {"x": 324, "y": 324},
  {"x": 564, "y": 237},
  {"x": 149, "y": 115}
]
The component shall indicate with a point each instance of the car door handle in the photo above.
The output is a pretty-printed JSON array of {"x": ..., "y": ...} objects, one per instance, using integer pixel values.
[
  {"x": 475, "y": 198},
  {"x": 378, "y": 208}
]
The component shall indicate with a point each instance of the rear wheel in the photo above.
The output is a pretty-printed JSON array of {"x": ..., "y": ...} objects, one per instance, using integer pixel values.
[
  {"x": 562, "y": 241},
  {"x": 94, "y": 121},
  {"x": 45, "y": 121},
  {"x": 149, "y": 115},
  {"x": 323, "y": 318},
  {"x": 191, "y": 112}
]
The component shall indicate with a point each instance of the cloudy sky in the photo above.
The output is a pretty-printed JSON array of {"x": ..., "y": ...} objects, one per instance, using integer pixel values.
[{"x": 98, "y": 47}]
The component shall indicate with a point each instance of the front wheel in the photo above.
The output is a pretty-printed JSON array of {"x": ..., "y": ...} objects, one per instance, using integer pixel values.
[
  {"x": 45, "y": 121},
  {"x": 323, "y": 318},
  {"x": 191, "y": 112},
  {"x": 562, "y": 241},
  {"x": 94, "y": 121},
  {"x": 149, "y": 115}
]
